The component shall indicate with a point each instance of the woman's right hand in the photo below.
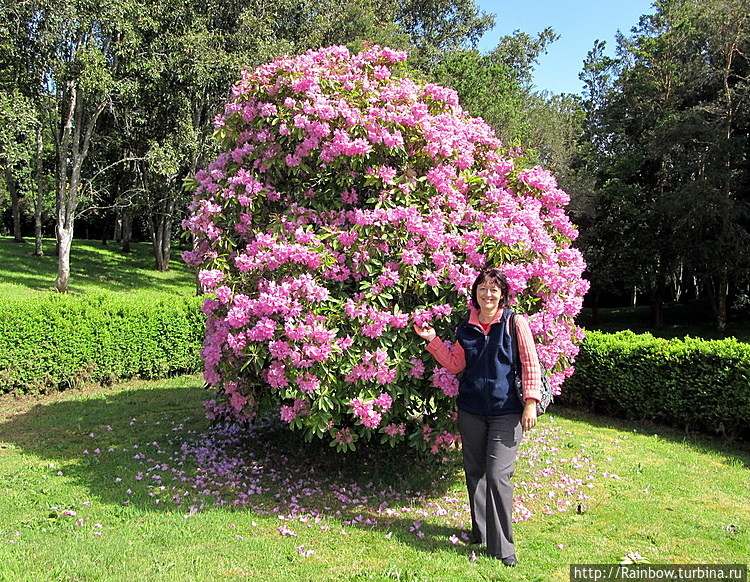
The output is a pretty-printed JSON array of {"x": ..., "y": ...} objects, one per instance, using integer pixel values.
[{"x": 426, "y": 331}]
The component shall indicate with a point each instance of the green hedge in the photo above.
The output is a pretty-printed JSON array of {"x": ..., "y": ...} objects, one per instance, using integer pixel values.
[
  {"x": 694, "y": 384},
  {"x": 61, "y": 341}
]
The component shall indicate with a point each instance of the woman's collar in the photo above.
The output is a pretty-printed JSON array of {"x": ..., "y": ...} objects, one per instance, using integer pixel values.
[{"x": 474, "y": 316}]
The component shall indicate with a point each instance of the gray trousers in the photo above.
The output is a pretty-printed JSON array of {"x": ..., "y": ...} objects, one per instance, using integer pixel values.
[{"x": 489, "y": 446}]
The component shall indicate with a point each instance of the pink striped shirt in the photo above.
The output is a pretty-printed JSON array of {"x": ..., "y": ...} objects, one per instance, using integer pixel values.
[{"x": 455, "y": 360}]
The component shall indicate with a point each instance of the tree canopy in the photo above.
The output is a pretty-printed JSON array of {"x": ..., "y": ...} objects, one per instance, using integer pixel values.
[
  {"x": 128, "y": 89},
  {"x": 666, "y": 142}
]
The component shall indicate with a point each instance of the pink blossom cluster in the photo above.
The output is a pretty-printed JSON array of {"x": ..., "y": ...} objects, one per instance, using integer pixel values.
[
  {"x": 370, "y": 413},
  {"x": 446, "y": 381},
  {"x": 349, "y": 202},
  {"x": 299, "y": 408},
  {"x": 439, "y": 440}
]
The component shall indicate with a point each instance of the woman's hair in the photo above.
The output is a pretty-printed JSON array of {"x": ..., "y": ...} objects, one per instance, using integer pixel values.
[{"x": 494, "y": 276}]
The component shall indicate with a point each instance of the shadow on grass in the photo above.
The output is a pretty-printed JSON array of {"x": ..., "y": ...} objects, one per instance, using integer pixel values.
[
  {"x": 688, "y": 318},
  {"x": 149, "y": 449},
  {"x": 736, "y": 452},
  {"x": 93, "y": 266},
  {"x": 152, "y": 450}
]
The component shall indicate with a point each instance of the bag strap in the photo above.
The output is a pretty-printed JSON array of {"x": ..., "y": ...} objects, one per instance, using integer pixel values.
[{"x": 514, "y": 338}]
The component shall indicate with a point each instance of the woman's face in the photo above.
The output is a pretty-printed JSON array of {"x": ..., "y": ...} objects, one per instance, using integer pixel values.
[{"x": 489, "y": 296}]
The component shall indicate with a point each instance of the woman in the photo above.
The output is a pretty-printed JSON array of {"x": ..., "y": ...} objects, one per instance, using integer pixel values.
[{"x": 491, "y": 417}]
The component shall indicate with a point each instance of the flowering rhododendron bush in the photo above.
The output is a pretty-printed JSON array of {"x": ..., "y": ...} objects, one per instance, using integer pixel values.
[{"x": 351, "y": 202}]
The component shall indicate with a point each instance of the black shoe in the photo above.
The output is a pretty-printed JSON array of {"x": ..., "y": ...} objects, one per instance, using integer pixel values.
[{"x": 510, "y": 560}]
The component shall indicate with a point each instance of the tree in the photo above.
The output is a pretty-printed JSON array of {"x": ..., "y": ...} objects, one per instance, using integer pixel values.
[
  {"x": 520, "y": 52},
  {"x": 714, "y": 169},
  {"x": 24, "y": 46},
  {"x": 348, "y": 202},
  {"x": 497, "y": 87},
  {"x": 607, "y": 206},
  {"x": 18, "y": 127},
  {"x": 67, "y": 63},
  {"x": 668, "y": 146},
  {"x": 553, "y": 125},
  {"x": 180, "y": 68},
  {"x": 439, "y": 26},
  {"x": 85, "y": 77},
  {"x": 188, "y": 55},
  {"x": 488, "y": 88},
  {"x": 129, "y": 89}
]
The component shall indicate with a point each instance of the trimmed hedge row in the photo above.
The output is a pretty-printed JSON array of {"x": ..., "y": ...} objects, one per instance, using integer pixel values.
[
  {"x": 694, "y": 384},
  {"x": 61, "y": 341}
]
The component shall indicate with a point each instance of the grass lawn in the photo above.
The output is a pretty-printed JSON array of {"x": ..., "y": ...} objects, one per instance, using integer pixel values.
[
  {"x": 94, "y": 268},
  {"x": 693, "y": 318},
  {"x": 131, "y": 483}
]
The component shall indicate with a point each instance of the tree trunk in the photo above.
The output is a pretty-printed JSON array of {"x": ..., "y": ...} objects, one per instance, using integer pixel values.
[
  {"x": 64, "y": 241},
  {"x": 595, "y": 308},
  {"x": 678, "y": 283},
  {"x": 722, "y": 314},
  {"x": 717, "y": 296},
  {"x": 72, "y": 149},
  {"x": 657, "y": 308},
  {"x": 117, "y": 237},
  {"x": 166, "y": 248},
  {"x": 162, "y": 242},
  {"x": 39, "y": 204},
  {"x": 14, "y": 202},
  {"x": 160, "y": 229},
  {"x": 127, "y": 230}
]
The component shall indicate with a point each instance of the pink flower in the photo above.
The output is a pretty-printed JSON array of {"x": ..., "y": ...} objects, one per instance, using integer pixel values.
[
  {"x": 309, "y": 383},
  {"x": 539, "y": 178},
  {"x": 288, "y": 414},
  {"x": 344, "y": 436},
  {"x": 381, "y": 72},
  {"x": 276, "y": 375},
  {"x": 393, "y": 430},
  {"x": 224, "y": 295},
  {"x": 238, "y": 401},
  {"x": 293, "y": 161},
  {"x": 383, "y": 401},
  {"x": 411, "y": 257},
  {"x": 446, "y": 381},
  {"x": 303, "y": 552},
  {"x": 285, "y": 531},
  {"x": 417, "y": 370},
  {"x": 264, "y": 330},
  {"x": 210, "y": 278}
]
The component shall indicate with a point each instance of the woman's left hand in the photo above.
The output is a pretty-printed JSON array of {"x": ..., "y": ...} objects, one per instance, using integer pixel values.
[
  {"x": 426, "y": 331},
  {"x": 528, "y": 418}
]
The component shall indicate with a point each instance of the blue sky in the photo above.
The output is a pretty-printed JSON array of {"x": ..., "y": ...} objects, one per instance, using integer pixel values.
[{"x": 578, "y": 22}]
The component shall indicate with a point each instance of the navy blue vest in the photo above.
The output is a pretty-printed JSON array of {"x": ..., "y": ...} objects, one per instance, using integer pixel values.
[{"x": 487, "y": 385}]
